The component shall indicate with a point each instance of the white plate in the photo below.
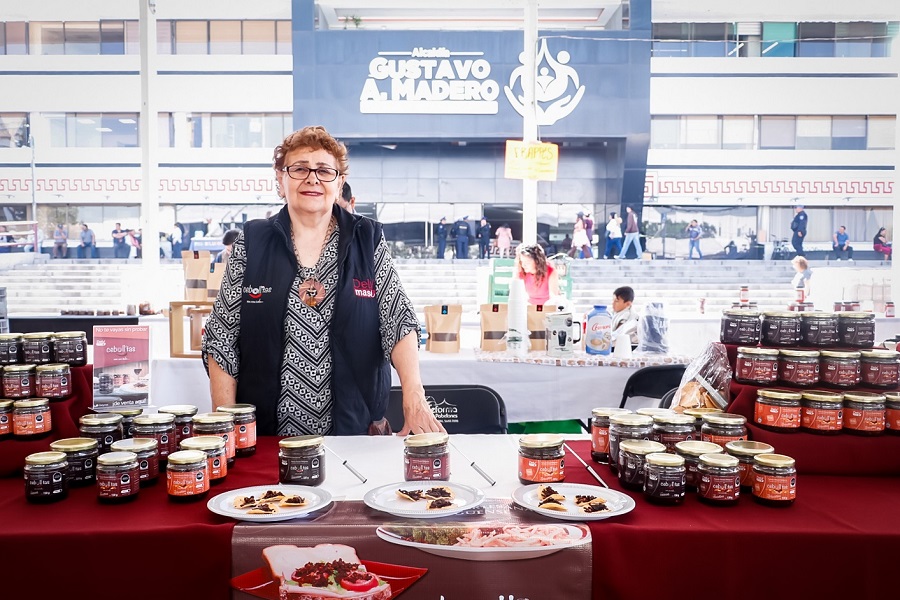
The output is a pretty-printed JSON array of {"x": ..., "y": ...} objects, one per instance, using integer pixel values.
[
  {"x": 132, "y": 388},
  {"x": 316, "y": 498},
  {"x": 574, "y": 535},
  {"x": 618, "y": 503},
  {"x": 385, "y": 499}
]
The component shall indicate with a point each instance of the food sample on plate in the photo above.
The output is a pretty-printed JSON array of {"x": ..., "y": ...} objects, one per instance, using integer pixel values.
[
  {"x": 551, "y": 503},
  {"x": 584, "y": 499},
  {"x": 545, "y": 492},
  {"x": 439, "y": 492},
  {"x": 271, "y": 496},
  {"x": 245, "y": 502},
  {"x": 411, "y": 495},
  {"x": 263, "y": 509},
  {"x": 293, "y": 502},
  {"x": 485, "y": 536},
  {"x": 594, "y": 506},
  {"x": 323, "y": 571},
  {"x": 438, "y": 503}
]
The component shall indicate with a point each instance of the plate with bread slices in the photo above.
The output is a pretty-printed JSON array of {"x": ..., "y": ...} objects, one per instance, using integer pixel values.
[
  {"x": 423, "y": 499},
  {"x": 573, "y": 501},
  {"x": 273, "y": 502}
]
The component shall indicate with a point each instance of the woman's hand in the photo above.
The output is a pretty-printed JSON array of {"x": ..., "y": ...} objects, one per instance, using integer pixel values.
[{"x": 417, "y": 415}]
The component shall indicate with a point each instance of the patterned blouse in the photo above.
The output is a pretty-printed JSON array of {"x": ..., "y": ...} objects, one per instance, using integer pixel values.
[{"x": 304, "y": 406}]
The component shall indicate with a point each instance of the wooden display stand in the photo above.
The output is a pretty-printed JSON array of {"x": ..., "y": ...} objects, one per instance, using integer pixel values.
[{"x": 177, "y": 311}]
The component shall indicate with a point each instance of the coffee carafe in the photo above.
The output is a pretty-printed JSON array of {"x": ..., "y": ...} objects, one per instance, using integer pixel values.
[{"x": 562, "y": 332}]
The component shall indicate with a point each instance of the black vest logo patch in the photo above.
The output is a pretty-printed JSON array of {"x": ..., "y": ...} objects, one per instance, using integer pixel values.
[
  {"x": 364, "y": 288},
  {"x": 256, "y": 294}
]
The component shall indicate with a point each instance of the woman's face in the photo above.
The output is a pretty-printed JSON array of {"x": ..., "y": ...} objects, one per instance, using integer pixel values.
[
  {"x": 310, "y": 195},
  {"x": 528, "y": 265}
]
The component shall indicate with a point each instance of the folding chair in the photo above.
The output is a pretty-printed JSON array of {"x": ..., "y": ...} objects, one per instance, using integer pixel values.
[
  {"x": 666, "y": 401},
  {"x": 652, "y": 382},
  {"x": 459, "y": 408}
]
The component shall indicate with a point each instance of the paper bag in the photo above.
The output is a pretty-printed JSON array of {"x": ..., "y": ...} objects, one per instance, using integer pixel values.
[
  {"x": 494, "y": 323},
  {"x": 537, "y": 327},
  {"x": 443, "y": 322},
  {"x": 196, "y": 273},
  {"x": 214, "y": 282}
]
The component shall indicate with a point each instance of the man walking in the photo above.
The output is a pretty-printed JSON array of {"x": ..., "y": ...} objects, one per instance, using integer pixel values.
[
  {"x": 613, "y": 236},
  {"x": 441, "y": 235},
  {"x": 484, "y": 239},
  {"x": 461, "y": 231},
  {"x": 798, "y": 226},
  {"x": 841, "y": 244},
  {"x": 60, "y": 242},
  {"x": 694, "y": 233},
  {"x": 632, "y": 234}
]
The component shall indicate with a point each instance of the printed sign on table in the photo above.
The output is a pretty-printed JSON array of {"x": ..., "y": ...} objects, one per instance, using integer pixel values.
[{"x": 121, "y": 366}]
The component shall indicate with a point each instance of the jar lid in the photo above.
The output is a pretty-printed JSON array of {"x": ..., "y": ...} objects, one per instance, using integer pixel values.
[
  {"x": 105, "y": 419},
  {"x": 551, "y": 440},
  {"x": 652, "y": 411},
  {"x": 889, "y": 396},
  {"x": 74, "y": 444},
  {"x": 38, "y": 335},
  {"x": 608, "y": 411},
  {"x": 675, "y": 419},
  {"x": 864, "y": 397},
  {"x": 699, "y": 412},
  {"x": 775, "y": 460},
  {"x": 748, "y": 448},
  {"x": 664, "y": 459},
  {"x": 840, "y": 354},
  {"x": 213, "y": 418},
  {"x": 32, "y": 403},
  {"x": 719, "y": 460},
  {"x": 154, "y": 419},
  {"x": 632, "y": 420},
  {"x": 779, "y": 394},
  {"x": 821, "y": 396},
  {"x": 697, "y": 448},
  {"x": 426, "y": 439},
  {"x": 45, "y": 458},
  {"x": 301, "y": 441},
  {"x": 114, "y": 459},
  {"x": 203, "y": 442},
  {"x": 187, "y": 457},
  {"x": 126, "y": 412},
  {"x": 179, "y": 410},
  {"x": 813, "y": 314},
  {"x": 69, "y": 334},
  {"x": 6, "y": 404},
  {"x": 10, "y": 337},
  {"x": 641, "y": 447},
  {"x": 879, "y": 354},
  {"x": 238, "y": 409},
  {"x": 17, "y": 368},
  {"x": 856, "y": 315},
  {"x": 135, "y": 445},
  {"x": 741, "y": 312},
  {"x": 52, "y": 367},
  {"x": 757, "y": 351},
  {"x": 780, "y": 315},
  {"x": 724, "y": 419},
  {"x": 800, "y": 353}
]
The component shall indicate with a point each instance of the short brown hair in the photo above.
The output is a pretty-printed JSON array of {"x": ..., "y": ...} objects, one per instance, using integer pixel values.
[
  {"x": 801, "y": 262},
  {"x": 314, "y": 138}
]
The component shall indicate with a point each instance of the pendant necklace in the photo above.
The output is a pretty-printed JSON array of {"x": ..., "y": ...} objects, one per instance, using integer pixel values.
[{"x": 311, "y": 290}]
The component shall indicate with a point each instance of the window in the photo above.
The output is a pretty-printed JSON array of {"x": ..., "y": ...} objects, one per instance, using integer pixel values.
[
  {"x": 93, "y": 130},
  {"x": 112, "y": 37},
  {"x": 776, "y": 133},
  {"x": 708, "y": 39},
  {"x": 813, "y": 133},
  {"x": 119, "y": 131},
  {"x": 166, "y": 130},
  {"x": 881, "y": 133},
  {"x": 700, "y": 132},
  {"x": 249, "y": 130},
  {"x": 133, "y": 37},
  {"x": 848, "y": 133},
  {"x": 859, "y": 39},
  {"x": 671, "y": 39},
  {"x": 16, "y": 34},
  {"x": 737, "y": 132},
  {"x": 259, "y": 37},
  {"x": 82, "y": 38},
  {"x": 13, "y": 130},
  {"x": 46, "y": 37},
  {"x": 191, "y": 37},
  {"x": 778, "y": 39},
  {"x": 225, "y": 37},
  {"x": 816, "y": 39},
  {"x": 664, "y": 132},
  {"x": 283, "y": 37},
  {"x": 164, "y": 37}
]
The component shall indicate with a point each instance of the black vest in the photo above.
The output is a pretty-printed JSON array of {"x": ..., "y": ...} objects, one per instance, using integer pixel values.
[{"x": 360, "y": 378}]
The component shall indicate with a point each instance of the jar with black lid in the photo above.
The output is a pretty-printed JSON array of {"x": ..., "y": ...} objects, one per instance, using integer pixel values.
[
  {"x": 822, "y": 412},
  {"x": 740, "y": 327},
  {"x": 244, "y": 428},
  {"x": 691, "y": 452},
  {"x": 425, "y": 456},
  {"x": 221, "y": 424},
  {"x": 670, "y": 429},
  {"x": 184, "y": 420},
  {"x": 745, "y": 451},
  {"x": 664, "y": 478},
  {"x": 128, "y": 415},
  {"x": 721, "y": 428},
  {"x": 45, "y": 477},
  {"x": 864, "y": 413},
  {"x": 840, "y": 369},
  {"x": 11, "y": 348},
  {"x": 187, "y": 478},
  {"x": 780, "y": 329},
  {"x": 161, "y": 427},
  {"x": 106, "y": 428},
  {"x": 70, "y": 347},
  {"x": 892, "y": 413},
  {"x": 698, "y": 413},
  {"x": 600, "y": 431},
  {"x": 81, "y": 454},
  {"x": 720, "y": 480},
  {"x": 632, "y": 457},
  {"x": 118, "y": 477},
  {"x": 6, "y": 409},
  {"x": 214, "y": 447},
  {"x": 542, "y": 458},
  {"x": 53, "y": 381},
  {"x": 777, "y": 410},
  {"x": 758, "y": 366},
  {"x": 819, "y": 329},
  {"x": 32, "y": 419},
  {"x": 626, "y": 427},
  {"x": 37, "y": 348},
  {"x": 18, "y": 381},
  {"x": 856, "y": 329},
  {"x": 301, "y": 460},
  {"x": 147, "y": 451},
  {"x": 880, "y": 368},
  {"x": 798, "y": 368},
  {"x": 774, "y": 480}
]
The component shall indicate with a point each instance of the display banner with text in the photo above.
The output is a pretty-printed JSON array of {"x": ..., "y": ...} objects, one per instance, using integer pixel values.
[{"x": 121, "y": 366}]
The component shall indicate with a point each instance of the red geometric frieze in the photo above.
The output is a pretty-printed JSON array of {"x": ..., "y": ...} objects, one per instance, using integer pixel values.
[
  {"x": 125, "y": 184},
  {"x": 774, "y": 186}
]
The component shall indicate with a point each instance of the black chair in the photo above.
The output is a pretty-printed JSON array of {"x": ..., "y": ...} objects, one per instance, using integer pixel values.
[
  {"x": 459, "y": 408},
  {"x": 652, "y": 382}
]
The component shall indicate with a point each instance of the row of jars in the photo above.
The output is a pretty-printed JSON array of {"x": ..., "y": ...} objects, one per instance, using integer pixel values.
[
  {"x": 53, "y": 381},
  {"x": 805, "y": 368},
  {"x": 785, "y": 329},
  {"x": 66, "y": 347},
  {"x": 828, "y": 413}
]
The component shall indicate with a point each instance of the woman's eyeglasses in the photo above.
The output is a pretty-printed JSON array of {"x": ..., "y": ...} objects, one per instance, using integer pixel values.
[{"x": 325, "y": 174}]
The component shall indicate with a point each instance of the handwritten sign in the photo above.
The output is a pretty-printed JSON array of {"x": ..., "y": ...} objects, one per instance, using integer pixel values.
[{"x": 531, "y": 160}]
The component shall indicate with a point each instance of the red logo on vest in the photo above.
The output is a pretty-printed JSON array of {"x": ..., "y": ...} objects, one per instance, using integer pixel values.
[{"x": 364, "y": 288}]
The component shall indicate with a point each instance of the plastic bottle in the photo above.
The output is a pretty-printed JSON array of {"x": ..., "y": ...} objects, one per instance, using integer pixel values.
[{"x": 599, "y": 331}]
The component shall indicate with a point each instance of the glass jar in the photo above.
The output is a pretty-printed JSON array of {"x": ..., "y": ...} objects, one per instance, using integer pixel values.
[
  {"x": 744, "y": 294},
  {"x": 600, "y": 431},
  {"x": 822, "y": 412},
  {"x": 691, "y": 453},
  {"x": 221, "y": 424},
  {"x": 53, "y": 381},
  {"x": 720, "y": 479},
  {"x": 664, "y": 478},
  {"x": 864, "y": 413},
  {"x": 652, "y": 411},
  {"x": 632, "y": 456},
  {"x": 626, "y": 427},
  {"x": 128, "y": 415},
  {"x": 118, "y": 477},
  {"x": 798, "y": 368},
  {"x": 184, "y": 420},
  {"x": 105, "y": 383},
  {"x": 106, "y": 428},
  {"x": 670, "y": 429},
  {"x": 37, "y": 348},
  {"x": 698, "y": 413},
  {"x": 18, "y": 381},
  {"x": 70, "y": 347},
  {"x": 758, "y": 366},
  {"x": 721, "y": 428},
  {"x": 6, "y": 409},
  {"x": 81, "y": 454},
  {"x": 740, "y": 327},
  {"x": 891, "y": 413},
  {"x": 880, "y": 368},
  {"x": 147, "y": 451},
  {"x": 11, "y": 348},
  {"x": 542, "y": 458},
  {"x": 187, "y": 478},
  {"x": 216, "y": 461},
  {"x": 244, "y": 428},
  {"x": 856, "y": 329},
  {"x": 774, "y": 480},
  {"x": 780, "y": 329},
  {"x": 819, "y": 329},
  {"x": 777, "y": 410},
  {"x": 840, "y": 369},
  {"x": 425, "y": 456},
  {"x": 301, "y": 460},
  {"x": 31, "y": 418},
  {"x": 45, "y": 477},
  {"x": 745, "y": 451},
  {"x": 161, "y": 427}
]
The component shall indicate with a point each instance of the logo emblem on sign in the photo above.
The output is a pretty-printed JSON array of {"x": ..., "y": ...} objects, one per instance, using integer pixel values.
[{"x": 557, "y": 87}]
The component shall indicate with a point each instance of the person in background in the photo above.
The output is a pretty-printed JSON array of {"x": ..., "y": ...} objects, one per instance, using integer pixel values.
[
  {"x": 120, "y": 244},
  {"x": 881, "y": 244},
  {"x": 504, "y": 240},
  {"x": 461, "y": 232},
  {"x": 694, "y": 232},
  {"x": 841, "y": 244},
  {"x": 589, "y": 231},
  {"x": 177, "y": 235},
  {"x": 613, "y": 236},
  {"x": 632, "y": 234},
  {"x": 580, "y": 241},
  {"x": 532, "y": 267},
  {"x": 798, "y": 226},
  {"x": 441, "y": 234},
  {"x": 803, "y": 275},
  {"x": 228, "y": 241},
  {"x": 137, "y": 240},
  {"x": 484, "y": 239},
  {"x": 347, "y": 201},
  {"x": 623, "y": 313},
  {"x": 6, "y": 239},
  {"x": 60, "y": 242},
  {"x": 565, "y": 244},
  {"x": 88, "y": 243}
]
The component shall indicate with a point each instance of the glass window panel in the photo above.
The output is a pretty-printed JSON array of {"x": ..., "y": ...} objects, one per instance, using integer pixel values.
[
  {"x": 848, "y": 133},
  {"x": 664, "y": 132},
  {"x": 259, "y": 37},
  {"x": 708, "y": 39},
  {"x": 816, "y": 39},
  {"x": 882, "y": 132},
  {"x": 671, "y": 39},
  {"x": 119, "y": 130},
  {"x": 273, "y": 130},
  {"x": 881, "y": 39},
  {"x": 221, "y": 132},
  {"x": 813, "y": 133},
  {"x": 83, "y": 38},
  {"x": 85, "y": 130},
  {"x": 16, "y": 38},
  {"x": 133, "y": 37},
  {"x": 224, "y": 37},
  {"x": 700, "y": 132},
  {"x": 112, "y": 37},
  {"x": 778, "y": 39},
  {"x": 853, "y": 39},
  {"x": 776, "y": 132},
  {"x": 163, "y": 37},
  {"x": 283, "y": 37},
  {"x": 166, "y": 130},
  {"x": 737, "y": 132},
  {"x": 2, "y": 38},
  {"x": 197, "y": 122},
  {"x": 13, "y": 130},
  {"x": 47, "y": 37},
  {"x": 191, "y": 37},
  {"x": 57, "y": 125}
]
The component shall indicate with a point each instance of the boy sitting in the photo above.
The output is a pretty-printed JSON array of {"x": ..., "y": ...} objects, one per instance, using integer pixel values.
[{"x": 623, "y": 315}]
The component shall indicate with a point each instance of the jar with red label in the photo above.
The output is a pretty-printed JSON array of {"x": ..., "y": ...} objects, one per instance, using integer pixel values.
[
  {"x": 626, "y": 427},
  {"x": 819, "y": 329},
  {"x": 780, "y": 329},
  {"x": 600, "y": 431},
  {"x": 81, "y": 454},
  {"x": 425, "y": 457},
  {"x": 721, "y": 428},
  {"x": 840, "y": 369},
  {"x": 214, "y": 447},
  {"x": 664, "y": 478},
  {"x": 118, "y": 477},
  {"x": 744, "y": 294},
  {"x": 698, "y": 413},
  {"x": 161, "y": 427},
  {"x": 106, "y": 428},
  {"x": 880, "y": 368},
  {"x": 244, "y": 428},
  {"x": 11, "y": 348},
  {"x": 187, "y": 478},
  {"x": 691, "y": 453},
  {"x": 301, "y": 460},
  {"x": 864, "y": 413},
  {"x": 6, "y": 409},
  {"x": 31, "y": 418},
  {"x": 45, "y": 477},
  {"x": 720, "y": 479},
  {"x": 892, "y": 412},
  {"x": 147, "y": 451},
  {"x": 18, "y": 381},
  {"x": 822, "y": 412},
  {"x": 632, "y": 457},
  {"x": 758, "y": 366},
  {"x": 542, "y": 458},
  {"x": 670, "y": 429},
  {"x": 221, "y": 424},
  {"x": 70, "y": 347},
  {"x": 745, "y": 451},
  {"x": 799, "y": 368},
  {"x": 889, "y": 310},
  {"x": 54, "y": 381},
  {"x": 774, "y": 480},
  {"x": 856, "y": 329},
  {"x": 37, "y": 348},
  {"x": 740, "y": 327},
  {"x": 777, "y": 410},
  {"x": 184, "y": 420}
]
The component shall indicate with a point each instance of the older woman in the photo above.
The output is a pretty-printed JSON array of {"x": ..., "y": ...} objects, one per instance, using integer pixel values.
[
  {"x": 312, "y": 312},
  {"x": 880, "y": 244},
  {"x": 541, "y": 280}
]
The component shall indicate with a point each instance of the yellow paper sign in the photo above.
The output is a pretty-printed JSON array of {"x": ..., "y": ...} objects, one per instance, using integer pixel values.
[{"x": 531, "y": 160}]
